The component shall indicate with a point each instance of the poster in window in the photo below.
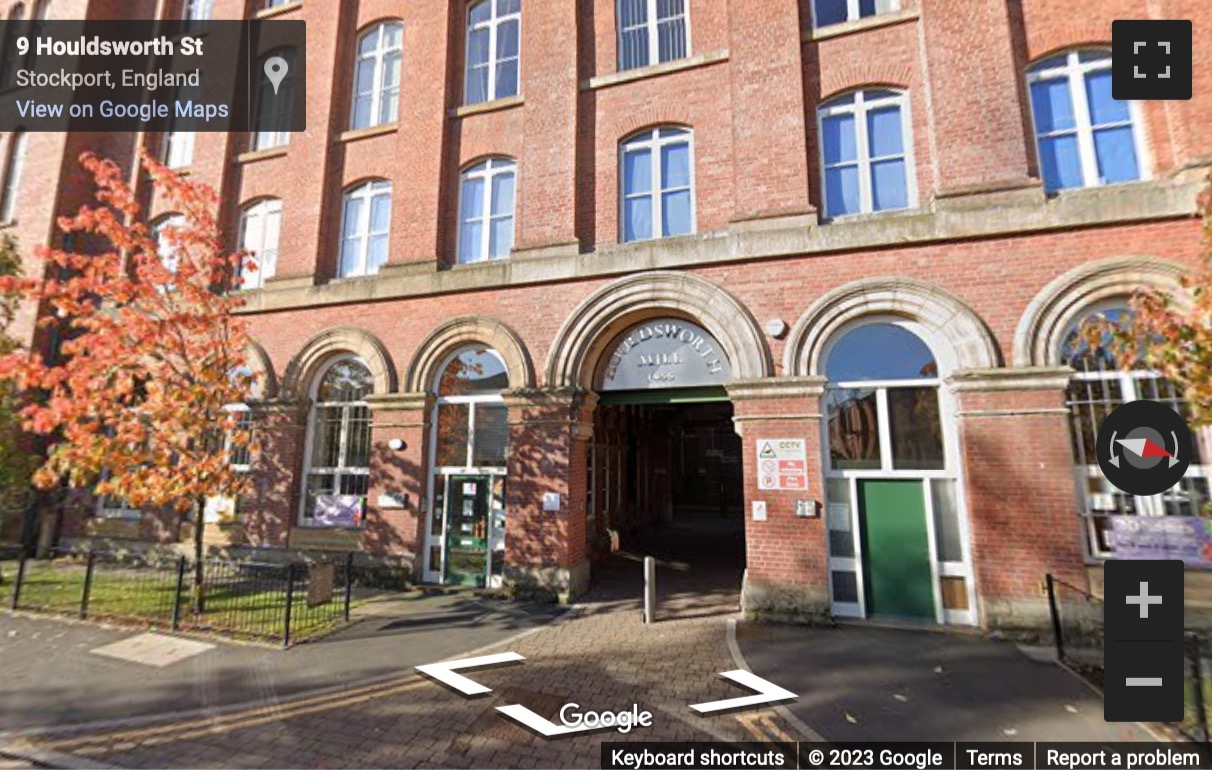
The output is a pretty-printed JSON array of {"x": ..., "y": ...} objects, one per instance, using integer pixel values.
[
  {"x": 338, "y": 510},
  {"x": 1162, "y": 537}
]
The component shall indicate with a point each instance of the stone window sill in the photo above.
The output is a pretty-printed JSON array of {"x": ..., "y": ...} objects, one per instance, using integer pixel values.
[
  {"x": 642, "y": 73},
  {"x": 365, "y": 133},
  {"x": 505, "y": 103},
  {"x": 281, "y": 10},
  {"x": 861, "y": 25},
  {"x": 252, "y": 156}
]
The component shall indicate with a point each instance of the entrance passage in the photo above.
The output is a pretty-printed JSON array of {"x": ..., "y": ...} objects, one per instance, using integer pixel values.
[{"x": 665, "y": 480}]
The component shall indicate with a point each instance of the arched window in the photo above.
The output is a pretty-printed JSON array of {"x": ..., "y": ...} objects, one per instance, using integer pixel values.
[
  {"x": 1100, "y": 384},
  {"x": 365, "y": 228},
  {"x": 377, "y": 75},
  {"x": 260, "y": 227},
  {"x": 883, "y": 373},
  {"x": 486, "y": 210},
  {"x": 1084, "y": 136},
  {"x": 13, "y": 166},
  {"x": 893, "y": 512},
  {"x": 466, "y": 535},
  {"x": 652, "y": 32},
  {"x": 338, "y": 454},
  {"x": 866, "y": 153},
  {"x": 657, "y": 190},
  {"x": 12, "y": 57},
  {"x": 494, "y": 29},
  {"x": 272, "y": 110}
]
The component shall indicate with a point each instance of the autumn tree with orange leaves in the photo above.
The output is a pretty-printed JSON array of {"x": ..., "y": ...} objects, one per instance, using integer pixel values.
[
  {"x": 1168, "y": 333},
  {"x": 138, "y": 404}
]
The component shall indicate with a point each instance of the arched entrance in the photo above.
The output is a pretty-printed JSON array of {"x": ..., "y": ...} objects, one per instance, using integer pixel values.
[
  {"x": 664, "y": 467},
  {"x": 663, "y": 470}
]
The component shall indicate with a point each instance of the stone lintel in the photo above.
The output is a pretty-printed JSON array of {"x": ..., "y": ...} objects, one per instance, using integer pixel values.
[
  {"x": 1010, "y": 379},
  {"x": 776, "y": 388},
  {"x": 400, "y": 402}
]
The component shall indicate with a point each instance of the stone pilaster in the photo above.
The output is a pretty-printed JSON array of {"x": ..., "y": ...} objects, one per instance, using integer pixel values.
[
  {"x": 396, "y": 510},
  {"x": 1023, "y": 508},
  {"x": 271, "y": 508},
  {"x": 787, "y": 557},
  {"x": 545, "y": 551}
]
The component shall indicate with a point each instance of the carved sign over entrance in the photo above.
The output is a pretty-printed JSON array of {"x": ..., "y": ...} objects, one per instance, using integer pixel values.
[{"x": 664, "y": 353}]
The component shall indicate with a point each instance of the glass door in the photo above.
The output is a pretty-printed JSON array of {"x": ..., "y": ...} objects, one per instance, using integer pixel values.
[{"x": 467, "y": 530}]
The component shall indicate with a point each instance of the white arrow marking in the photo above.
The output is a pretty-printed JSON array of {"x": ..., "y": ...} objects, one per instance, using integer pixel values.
[
  {"x": 767, "y": 693},
  {"x": 445, "y": 672},
  {"x": 540, "y": 725}
]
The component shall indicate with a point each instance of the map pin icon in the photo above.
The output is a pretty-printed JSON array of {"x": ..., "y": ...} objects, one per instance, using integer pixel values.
[{"x": 275, "y": 70}]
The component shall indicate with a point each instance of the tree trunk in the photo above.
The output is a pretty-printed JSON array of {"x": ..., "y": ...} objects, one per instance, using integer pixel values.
[{"x": 198, "y": 589}]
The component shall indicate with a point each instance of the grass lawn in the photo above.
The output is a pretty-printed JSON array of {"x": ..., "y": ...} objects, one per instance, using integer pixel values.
[{"x": 240, "y": 608}]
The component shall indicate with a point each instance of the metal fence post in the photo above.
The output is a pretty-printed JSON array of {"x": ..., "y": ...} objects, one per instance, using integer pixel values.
[
  {"x": 349, "y": 560},
  {"x": 1057, "y": 634},
  {"x": 20, "y": 579},
  {"x": 1194, "y": 662},
  {"x": 90, "y": 565},
  {"x": 649, "y": 589},
  {"x": 290, "y": 602},
  {"x": 176, "y": 617}
]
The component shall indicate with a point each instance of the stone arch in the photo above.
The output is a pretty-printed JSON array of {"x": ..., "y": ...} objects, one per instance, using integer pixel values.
[
  {"x": 941, "y": 313},
  {"x": 599, "y": 319},
  {"x": 332, "y": 342},
  {"x": 1040, "y": 333},
  {"x": 467, "y": 330},
  {"x": 263, "y": 370}
]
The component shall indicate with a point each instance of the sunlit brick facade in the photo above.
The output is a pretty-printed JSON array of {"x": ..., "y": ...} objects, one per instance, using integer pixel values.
[{"x": 947, "y": 168}]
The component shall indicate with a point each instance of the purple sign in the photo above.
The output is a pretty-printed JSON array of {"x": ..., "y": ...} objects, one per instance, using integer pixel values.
[
  {"x": 338, "y": 510},
  {"x": 1162, "y": 537}
]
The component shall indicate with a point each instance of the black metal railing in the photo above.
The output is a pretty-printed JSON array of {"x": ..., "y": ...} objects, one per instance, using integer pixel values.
[
  {"x": 1077, "y": 633},
  {"x": 286, "y": 603}
]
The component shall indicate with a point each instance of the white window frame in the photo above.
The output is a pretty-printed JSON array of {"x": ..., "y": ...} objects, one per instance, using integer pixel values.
[
  {"x": 264, "y": 209},
  {"x": 366, "y": 191},
  {"x": 379, "y": 94},
  {"x": 198, "y": 10},
  {"x": 433, "y": 572},
  {"x": 178, "y": 150},
  {"x": 853, "y": 12},
  {"x": 652, "y": 25},
  {"x": 18, "y": 147},
  {"x": 337, "y": 471},
  {"x": 493, "y": 24},
  {"x": 656, "y": 191},
  {"x": 268, "y": 140},
  {"x": 166, "y": 251},
  {"x": 1074, "y": 70},
  {"x": 952, "y": 471},
  {"x": 487, "y": 170},
  {"x": 859, "y": 107},
  {"x": 1130, "y": 388}
]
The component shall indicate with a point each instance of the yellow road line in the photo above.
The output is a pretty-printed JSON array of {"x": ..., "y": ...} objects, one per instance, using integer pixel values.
[{"x": 273, "y": 711}]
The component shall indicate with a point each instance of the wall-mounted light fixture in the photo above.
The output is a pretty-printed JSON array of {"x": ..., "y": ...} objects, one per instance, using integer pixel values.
[
  {"x": 396, "y": 444},
  {"x": 776, "y": 328}
]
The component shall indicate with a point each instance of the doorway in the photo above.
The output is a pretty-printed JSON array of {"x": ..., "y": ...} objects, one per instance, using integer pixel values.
[{"x": 665, "y": 480}]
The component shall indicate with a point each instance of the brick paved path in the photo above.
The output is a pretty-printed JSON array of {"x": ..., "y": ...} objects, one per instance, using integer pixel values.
[{"x": 602, "y": 658}]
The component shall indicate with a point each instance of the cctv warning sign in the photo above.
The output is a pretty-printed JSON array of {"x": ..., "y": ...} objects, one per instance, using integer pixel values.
[{"x": 783, "y": 464}]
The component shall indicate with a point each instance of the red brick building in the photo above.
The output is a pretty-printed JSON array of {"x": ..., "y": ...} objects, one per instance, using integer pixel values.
[{"x": 540, "y": 274}]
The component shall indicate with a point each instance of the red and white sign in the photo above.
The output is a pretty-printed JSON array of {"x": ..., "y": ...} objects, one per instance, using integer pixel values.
[{"x": 783, "y": 463}]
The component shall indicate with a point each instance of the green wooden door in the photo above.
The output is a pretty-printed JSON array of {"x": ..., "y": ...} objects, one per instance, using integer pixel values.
[{"x": 896, "y": 552}]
